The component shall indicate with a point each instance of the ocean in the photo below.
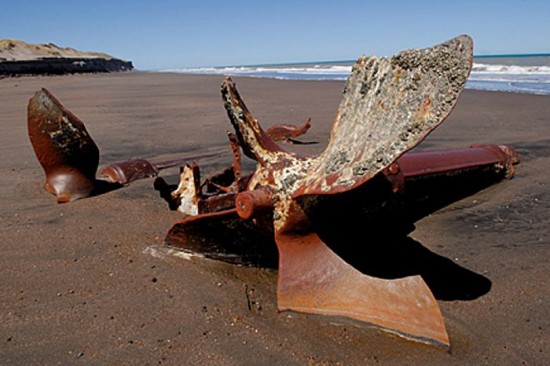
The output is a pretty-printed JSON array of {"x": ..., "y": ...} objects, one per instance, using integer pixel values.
[{"x": 508, "y": 73}]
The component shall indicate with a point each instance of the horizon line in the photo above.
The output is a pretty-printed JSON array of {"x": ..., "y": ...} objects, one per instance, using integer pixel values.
[{"x": 504, "y": 55}]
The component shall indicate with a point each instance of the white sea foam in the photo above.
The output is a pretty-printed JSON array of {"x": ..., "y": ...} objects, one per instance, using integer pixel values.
[
  {"x": 320, "y": 72},
  {"x": 514, "y": 78},
  {"x": 511, "y": 78},
  {"x": 509, "y": 69}
]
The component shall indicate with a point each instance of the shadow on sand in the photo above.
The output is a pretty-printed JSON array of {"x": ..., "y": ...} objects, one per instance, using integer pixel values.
[{"x": 373, "y": 236}]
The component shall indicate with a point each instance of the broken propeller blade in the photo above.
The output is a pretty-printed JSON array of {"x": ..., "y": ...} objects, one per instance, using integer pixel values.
[
  {"x": 63, "y": 146},
  {"x": 389, "y": 106},
  {"x": 70, "y": 157}
]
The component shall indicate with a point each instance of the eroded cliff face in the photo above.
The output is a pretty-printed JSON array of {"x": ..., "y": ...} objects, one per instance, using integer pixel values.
[
  {"x": 60, "y": 65},
  {"x": 20, "y": 58}
]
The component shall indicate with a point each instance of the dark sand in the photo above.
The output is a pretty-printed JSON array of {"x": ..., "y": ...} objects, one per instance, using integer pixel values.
[{"x": 91, "y": 283}]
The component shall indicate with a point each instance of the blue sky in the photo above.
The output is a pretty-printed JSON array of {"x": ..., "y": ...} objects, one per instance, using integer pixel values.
[{"x": 168, "y": 34}]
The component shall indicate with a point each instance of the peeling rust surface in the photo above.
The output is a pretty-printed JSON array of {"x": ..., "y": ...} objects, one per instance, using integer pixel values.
[
  {"x": 188, "y": 190},
  {"x": 217, "y": 193}
]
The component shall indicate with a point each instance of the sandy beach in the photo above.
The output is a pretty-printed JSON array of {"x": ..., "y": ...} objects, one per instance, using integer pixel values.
[{"x": 90, "y": 282}]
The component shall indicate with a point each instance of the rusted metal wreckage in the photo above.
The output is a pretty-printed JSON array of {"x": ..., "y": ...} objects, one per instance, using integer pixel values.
[{"x": 297, "y": 204}]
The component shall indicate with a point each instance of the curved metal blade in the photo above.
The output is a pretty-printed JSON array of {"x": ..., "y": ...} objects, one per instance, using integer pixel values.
[
  {"x": 389, "y": 106},
  {"x": 224, "y": 236},
  {"x": 313, "y": 279},
  {"x": 254, "y": 141},
  {"x": 125, "y": 172},
  {"x": 63, "y": 146}
]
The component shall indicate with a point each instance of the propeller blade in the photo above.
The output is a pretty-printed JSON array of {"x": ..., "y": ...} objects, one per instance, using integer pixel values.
[
  {"x": 63, "y": 146},
  {"x": 313, "y": 279},
  {"x": 389, "y": 106}
]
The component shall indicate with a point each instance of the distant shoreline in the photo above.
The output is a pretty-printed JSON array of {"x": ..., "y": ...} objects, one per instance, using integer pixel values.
[
  {"x": 527, "y": 74},
  {"x": 352, "y": 61},
  {"x": 513, "y": 55}
]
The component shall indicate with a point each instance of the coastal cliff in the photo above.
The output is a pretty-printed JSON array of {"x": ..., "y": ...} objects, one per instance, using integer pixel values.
[{"x": 21, "y": 58}]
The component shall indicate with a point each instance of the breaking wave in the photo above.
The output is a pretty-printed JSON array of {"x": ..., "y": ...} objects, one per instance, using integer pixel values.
[{"x": 497, "y": 77}]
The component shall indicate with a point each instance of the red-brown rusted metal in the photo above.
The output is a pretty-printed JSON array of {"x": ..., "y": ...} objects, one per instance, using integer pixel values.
[
  {"x": 313, "y": 279},
  {"x": 223, "y": 235},
  {"x": 499, "y": 160},
  {"x": 389, "y": 106},
  {"x": 253, "y": 203},
  {"x": 70, "y": 157},
  {"x": 287, "y": 132},
  {"x": 436, "y": 162},
  {"x": 128, "y": 171},
  {"x": 63, "y": 146}
]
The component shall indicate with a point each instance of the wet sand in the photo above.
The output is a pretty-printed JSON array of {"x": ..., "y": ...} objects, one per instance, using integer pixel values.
[{"x": 90, "y": 282}]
